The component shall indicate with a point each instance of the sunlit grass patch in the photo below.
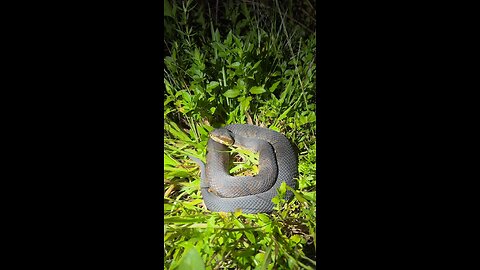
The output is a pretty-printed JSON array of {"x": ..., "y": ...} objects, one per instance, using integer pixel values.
[{"x": 243, "y": 162}]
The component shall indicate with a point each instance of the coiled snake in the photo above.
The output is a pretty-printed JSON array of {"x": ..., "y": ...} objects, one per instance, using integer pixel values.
[{"x": 222, "y": 192}]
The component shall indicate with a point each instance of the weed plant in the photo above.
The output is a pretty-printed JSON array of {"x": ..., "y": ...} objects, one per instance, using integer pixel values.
[{"x": 238, "y": 62}]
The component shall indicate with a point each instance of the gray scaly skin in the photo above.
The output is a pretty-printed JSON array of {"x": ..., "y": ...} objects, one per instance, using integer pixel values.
[
  {"x": 227, "y": 186},
  {"x": 216, "y": 170}
]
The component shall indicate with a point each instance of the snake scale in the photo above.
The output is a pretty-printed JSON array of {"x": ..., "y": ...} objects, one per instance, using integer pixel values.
[{"x": 278, "y": 163}]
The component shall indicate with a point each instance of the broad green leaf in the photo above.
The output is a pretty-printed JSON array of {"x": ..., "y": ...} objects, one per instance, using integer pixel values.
[
  {"x": 239, "y": 47},
  {"x": 266, "y": 260},
  {"x": 275, "y": 200},
  {"x": 245, "y": 103},
  {"x": 232, "y": 93},
  {"x": 311, "y": 196},
  {"x": 289, "y": 72},
  {"x": 186, "y": 96},
  {"x": 250, "y": 237},
  {"x": 284, "y": 94},
  {"x": 283, "y": 188},
  {"x": 269, "y": 227},
  {"x": 219, "y": 46},
  {"x": 234, "y": 65},
  {"x": 176, "y": 172},
  {"x": 167, "y": 160},
  {"x": 212, "y": 85},
  {"x": 295, "y": 238},
  {"x": 264, "y": 218},
  {"x": 191, "y": 260},
  {"x": 275, "y": 128},
  {"x": 256, "y": 64},
  {"x": 257, "y": 90},
  {"x": 259, "y": 258},
  {"x": 194, "y": 202},
  {"x": 302, "y": 120},
  {"x": 211, "y": 224},
  {"x": 168, "y": 88},
  {"x": 167, "y": 207},
  {"x": 201, "y": 129},
  {"x": 238, "y": 223},
  {"x": 299, "y": 196},
  {"x": 241, "y": 83},
  {"x": 228, "y": 41},
  {"x": 275, "y": 74},
  {"x": 273, "y": 87}
]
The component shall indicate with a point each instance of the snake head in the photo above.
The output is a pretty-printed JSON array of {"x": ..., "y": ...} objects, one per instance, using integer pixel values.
[{"x": 223, "y": 136}]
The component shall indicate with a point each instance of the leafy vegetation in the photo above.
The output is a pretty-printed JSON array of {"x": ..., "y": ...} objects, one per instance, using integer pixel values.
[{"x": 237, "y": 62}]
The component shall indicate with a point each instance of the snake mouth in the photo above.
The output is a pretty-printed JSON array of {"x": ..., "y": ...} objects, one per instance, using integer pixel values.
[{"x": 226, "y": 140}]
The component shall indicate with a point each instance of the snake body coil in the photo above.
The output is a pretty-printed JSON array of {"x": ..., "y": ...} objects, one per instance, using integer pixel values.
[{"x": 252, "y": 194}]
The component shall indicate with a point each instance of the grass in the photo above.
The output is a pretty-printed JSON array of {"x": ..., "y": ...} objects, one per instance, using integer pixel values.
[{"x": 237, "y": 62}]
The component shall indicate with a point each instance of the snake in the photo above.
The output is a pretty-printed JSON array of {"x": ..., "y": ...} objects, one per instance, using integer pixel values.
[{"x": 278, "y": 163}]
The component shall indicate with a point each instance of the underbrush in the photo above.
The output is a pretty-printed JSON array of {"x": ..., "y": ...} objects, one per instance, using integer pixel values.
[{"x": 243, "y": 62}]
